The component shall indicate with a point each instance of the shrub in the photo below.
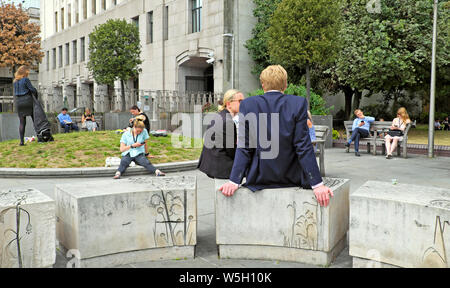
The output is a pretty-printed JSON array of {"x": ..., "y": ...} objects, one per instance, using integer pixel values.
[
  {"x": 318, "y": 105},
  {"x": 336, "y": 135}
]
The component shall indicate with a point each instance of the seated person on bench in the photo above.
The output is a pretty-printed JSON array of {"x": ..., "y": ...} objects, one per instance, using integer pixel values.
[
  {"x": 66, "y": 122},
  {"x": 360, "y": 129}
]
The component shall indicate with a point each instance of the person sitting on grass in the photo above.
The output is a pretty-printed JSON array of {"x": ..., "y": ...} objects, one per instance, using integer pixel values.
[
  {"x": 88, "y": 119},
  {"x": 66, "y": 122},
  {"x": 132, "y": 146},
  {"x": 446, "y": 124}
]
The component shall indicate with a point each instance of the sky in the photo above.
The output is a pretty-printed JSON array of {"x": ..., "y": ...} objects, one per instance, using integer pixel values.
[{"x": 26, "y": 3}]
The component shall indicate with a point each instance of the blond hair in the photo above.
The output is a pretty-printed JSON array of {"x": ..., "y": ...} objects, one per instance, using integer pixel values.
[
  {"x": 227, "y": 98},
  {"x": 274, "y": 77},
  {"x": 21, "y": 73},
  {"x": 403, "y": 114},
  {"x": 139, "y": 122}
]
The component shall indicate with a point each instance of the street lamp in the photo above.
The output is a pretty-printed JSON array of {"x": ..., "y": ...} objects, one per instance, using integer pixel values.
[
  {"x": 232, "y": 58},
  {"x": 432, "y": 85}
]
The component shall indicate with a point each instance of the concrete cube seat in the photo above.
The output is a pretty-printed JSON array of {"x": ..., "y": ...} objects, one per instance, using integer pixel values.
[
  {"x": 399, "y": 225},
  {"x": 27, "y": 229},
  {"x": 284, "y": 224},
  {"x": 116, "y": 222}
]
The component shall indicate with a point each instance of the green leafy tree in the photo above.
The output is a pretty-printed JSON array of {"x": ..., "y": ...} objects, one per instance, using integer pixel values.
[
  {"x": 390, "y": 49},
  {"x": 318, "y": 104},
  {"x": 303, "y": 33},
  {"x": 257, "y": 45},
  {"x": 115, "y": 52}
]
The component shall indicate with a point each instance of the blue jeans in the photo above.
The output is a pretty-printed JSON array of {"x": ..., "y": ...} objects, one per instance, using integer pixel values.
[
  {"x": 356, "y": 135},
  {"x": 67, "y": 127},
  {"x": 140, "y": 160}
]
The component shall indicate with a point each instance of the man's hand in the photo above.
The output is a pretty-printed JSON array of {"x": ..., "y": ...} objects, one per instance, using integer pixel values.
[
  {"x": 228, "y": 189},
  {"x": 361, "y": 124},
  {"x": 323, "y": 194}
]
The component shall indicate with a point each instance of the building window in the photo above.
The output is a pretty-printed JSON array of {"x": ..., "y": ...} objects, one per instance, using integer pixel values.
[
  {"x": 114, "y": 2},
  {"x": 150, "y": 27},
  {"x": 54, "y": 58},
  {"x": 67, "y": 54},
  {"x": 74, "y": 52},
  {"x": 47, "y": 60},
  {"x": 56, "y": 22},
  {"x": 84, "y": 9},
  {"x": 77, "y": 12},
  {"x": 69, "y": 15},
  {"x": 196, "y": 15},
  {"x": 94, "y": 7},
  {"x": 82, "y": 49},
  {"x": 166, "y": 23},
  {"x": 135, "y": 21},
  {"x": 60, "y": 56},
  {"x": 62, "y": 18},
  {"x": 103, "y": 4}
]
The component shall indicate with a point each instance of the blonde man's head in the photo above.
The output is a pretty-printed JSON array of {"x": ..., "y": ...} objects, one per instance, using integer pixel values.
[{"x": 274, "y": 77}]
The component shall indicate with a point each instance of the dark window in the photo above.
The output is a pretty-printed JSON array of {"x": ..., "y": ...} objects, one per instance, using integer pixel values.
[
  {"x": 196, "y": 15},
  {"x": 150, "y": 27},
  {"x": 74, "y": 52},
  {"x": 166, "y": 23},
  {"x": 82, "y": 49}
]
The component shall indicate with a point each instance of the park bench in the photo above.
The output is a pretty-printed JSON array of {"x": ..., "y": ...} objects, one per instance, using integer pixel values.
[
  {"x": 321, "y": 135},
  {"x": 77, "y": 120},
  {"x": 378, "y": 128}
]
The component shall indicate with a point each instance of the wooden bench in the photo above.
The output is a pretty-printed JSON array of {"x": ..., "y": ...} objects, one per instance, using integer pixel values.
[
  {"x": 321, "y": 135},
  {"x": 382, "y": 128},
  {"x": 378, "y": 128},
  {"x": 77, "y": 120}
]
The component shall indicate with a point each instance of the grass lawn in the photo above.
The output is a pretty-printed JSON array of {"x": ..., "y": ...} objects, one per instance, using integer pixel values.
[
  {"x": 419, "y": 135},
  {"x": 84, "y": 149}
]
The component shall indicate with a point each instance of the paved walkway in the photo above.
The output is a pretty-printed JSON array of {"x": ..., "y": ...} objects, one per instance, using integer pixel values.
[{"x": 417, "y": 170}]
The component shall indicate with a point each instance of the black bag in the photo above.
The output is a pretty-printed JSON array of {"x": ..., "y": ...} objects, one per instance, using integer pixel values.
[
  {"x": 394, "y": 133},
  {"x": 41, "y": 124}
]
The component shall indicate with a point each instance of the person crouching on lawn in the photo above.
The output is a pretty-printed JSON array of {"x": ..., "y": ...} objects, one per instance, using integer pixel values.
[{"x": 132, "y": 146}]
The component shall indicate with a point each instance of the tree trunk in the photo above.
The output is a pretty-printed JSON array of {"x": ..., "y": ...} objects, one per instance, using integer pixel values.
[
  {"x": 122, "y": 86},
  {"x": 357, "y": 99},
  {"x": 348, "y": 91},
  {"x": 308, "y": 86}
]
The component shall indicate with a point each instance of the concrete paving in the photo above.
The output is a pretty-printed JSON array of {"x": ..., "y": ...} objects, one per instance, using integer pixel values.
[{"x": 417, "y": 169}]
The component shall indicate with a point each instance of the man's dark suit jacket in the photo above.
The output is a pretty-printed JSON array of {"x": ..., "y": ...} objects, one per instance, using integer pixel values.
[
  {"x": 217, "y": 162},
  {"x": 295, "y": 164}
]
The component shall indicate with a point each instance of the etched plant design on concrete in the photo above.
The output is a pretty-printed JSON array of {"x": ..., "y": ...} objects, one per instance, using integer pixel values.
[
  {"x": 170, "y": 227},
  {"x": 8, "y": 249},
  {"x": 303, "y": 232},
  {"x": 435, "y": 256}
]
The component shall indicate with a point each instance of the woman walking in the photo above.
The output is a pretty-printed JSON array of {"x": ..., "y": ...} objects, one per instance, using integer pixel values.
[
  {"x": 24, "y": 93},
  {"x": 395, "y": 133}
]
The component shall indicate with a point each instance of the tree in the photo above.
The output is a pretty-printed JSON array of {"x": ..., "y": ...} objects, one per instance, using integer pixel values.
[
  {"x": 115, "y": 51},
  {"x": 20, "y": 43},
  {"x": 303, "y": 33},
  {"x": 257, "y": 45},
  {"x": 390, "y": 49}
]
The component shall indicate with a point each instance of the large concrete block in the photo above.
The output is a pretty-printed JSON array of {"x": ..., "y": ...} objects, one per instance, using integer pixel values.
[
  {"x": 402, "y": 225},
  {"x": 27, "y": 229},
  {"x": 283, "y": 224},
  {"x": 107, "y": 220}
]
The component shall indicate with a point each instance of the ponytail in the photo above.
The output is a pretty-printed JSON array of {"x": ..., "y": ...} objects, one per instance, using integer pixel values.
[
  {"x": 228, "y": 97},
  {"x": 139, "y": 122}
]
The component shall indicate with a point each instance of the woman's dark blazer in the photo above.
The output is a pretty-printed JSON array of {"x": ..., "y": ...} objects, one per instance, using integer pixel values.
[
  {"x": 217, "y": 162},
  {"x": 24, "y": 91}
]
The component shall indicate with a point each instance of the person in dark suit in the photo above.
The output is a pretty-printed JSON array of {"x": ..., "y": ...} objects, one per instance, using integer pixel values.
[
  {"x": 290, "y": 159},
  {"x": 216, "y": 160},
  {"x": 24, "y": 93}
]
